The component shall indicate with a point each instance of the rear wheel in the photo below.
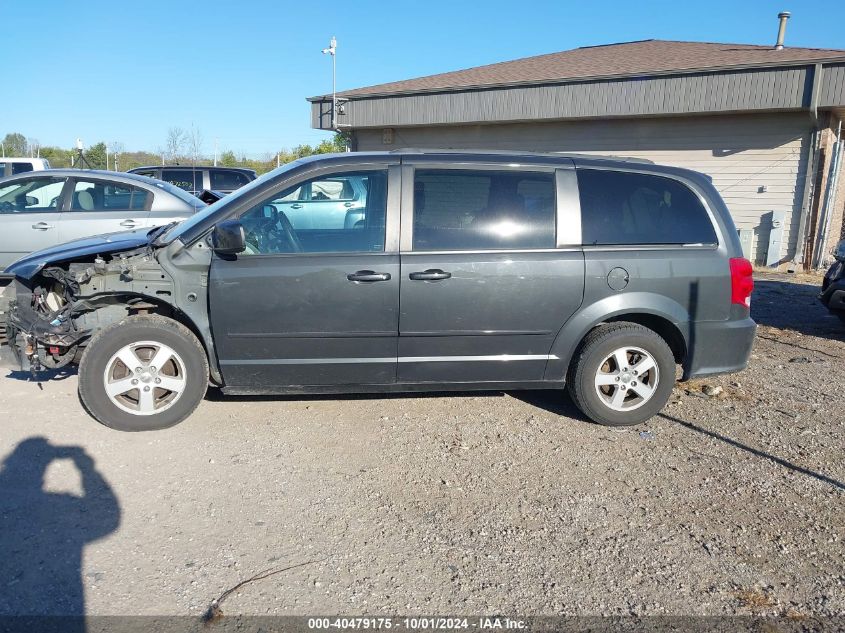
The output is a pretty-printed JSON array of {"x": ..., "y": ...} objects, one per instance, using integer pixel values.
[
  {"x": 143, "y": 373},
  {"x": 623, "y": 374}
]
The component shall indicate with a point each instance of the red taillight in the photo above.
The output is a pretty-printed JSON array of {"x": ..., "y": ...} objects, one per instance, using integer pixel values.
[{"x": 742, "y": 281}]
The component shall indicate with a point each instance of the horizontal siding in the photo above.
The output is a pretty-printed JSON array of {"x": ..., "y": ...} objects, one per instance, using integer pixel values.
[
  {"x": 728, "y": 91},
  {"x": 742, "y": 153}
]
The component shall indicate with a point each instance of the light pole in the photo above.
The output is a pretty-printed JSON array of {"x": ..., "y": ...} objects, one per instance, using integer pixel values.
[{"x": 331, "y": 50}]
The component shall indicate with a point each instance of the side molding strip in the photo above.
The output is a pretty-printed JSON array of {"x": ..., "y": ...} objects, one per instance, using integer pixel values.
[{"x": 401, "y": 359}]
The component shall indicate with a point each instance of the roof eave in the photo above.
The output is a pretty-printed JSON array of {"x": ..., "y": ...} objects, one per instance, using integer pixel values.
[{"x": 565, "y": 80}]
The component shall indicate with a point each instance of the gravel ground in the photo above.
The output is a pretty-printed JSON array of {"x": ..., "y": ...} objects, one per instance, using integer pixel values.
[{"x": 499, "y": 503}]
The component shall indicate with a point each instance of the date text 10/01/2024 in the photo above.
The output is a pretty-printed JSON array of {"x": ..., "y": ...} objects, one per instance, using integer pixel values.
[{"x": 417, "y": 623}]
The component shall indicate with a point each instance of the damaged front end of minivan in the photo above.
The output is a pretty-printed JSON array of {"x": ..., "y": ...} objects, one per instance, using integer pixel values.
[{"x": 59, "y": 301}]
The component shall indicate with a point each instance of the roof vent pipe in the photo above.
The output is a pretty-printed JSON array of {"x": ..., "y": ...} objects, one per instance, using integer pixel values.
[{"x": 783, "y": 16}]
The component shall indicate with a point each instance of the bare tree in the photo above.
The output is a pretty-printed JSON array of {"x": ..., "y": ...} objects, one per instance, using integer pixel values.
[
  {"x": 117, "y": 148},
  {"x": 194, "y": 141},
  {"x": 175, "y": 143}
]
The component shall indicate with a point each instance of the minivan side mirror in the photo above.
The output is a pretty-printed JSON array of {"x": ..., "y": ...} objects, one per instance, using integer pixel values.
[{"x": 228, "y": 238}]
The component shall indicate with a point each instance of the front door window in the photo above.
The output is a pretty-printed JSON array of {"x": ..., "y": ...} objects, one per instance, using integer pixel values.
[
  {"x": 343, "y": 213},
  {"x": 31, "y": 196}
]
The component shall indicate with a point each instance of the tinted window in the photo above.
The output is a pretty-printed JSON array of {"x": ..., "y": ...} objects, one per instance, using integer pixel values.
[
  {"x": 187, "y": 179},
  {"x": 19, "y": 168},
  {"x": 290, "y": 223},
  {"x": 227, "y": 180},
  {"x": 458, "y": 210},
  {"x": 33, "y": 195},
  {"x": 100, "y": 196},
  {"x": 629, "y": 208}
]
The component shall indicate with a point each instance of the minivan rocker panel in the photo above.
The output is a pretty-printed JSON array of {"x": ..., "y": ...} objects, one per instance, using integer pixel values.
[{"x": 414, "y": 270}]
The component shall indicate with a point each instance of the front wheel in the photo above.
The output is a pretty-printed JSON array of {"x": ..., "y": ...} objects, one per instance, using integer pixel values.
[
  {"x": 623, "y": 375},
  {"x": 143, "y": 373}
]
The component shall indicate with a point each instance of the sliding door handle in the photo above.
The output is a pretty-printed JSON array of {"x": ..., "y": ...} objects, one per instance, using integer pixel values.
[{"x": 432, "y": 274}]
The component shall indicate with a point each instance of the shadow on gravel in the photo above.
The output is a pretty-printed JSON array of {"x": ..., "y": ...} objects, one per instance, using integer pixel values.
[
  {"x": 756, "y": 452},
  {"x": 555, "y": 401},
  {"x": 43, "y": 376},
  {"x": 43, "y": 533},
  {"x": 794, "y": 306}
]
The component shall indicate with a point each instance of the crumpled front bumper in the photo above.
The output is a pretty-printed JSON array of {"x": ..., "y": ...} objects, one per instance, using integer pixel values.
[{"x": 12, "y": 355}]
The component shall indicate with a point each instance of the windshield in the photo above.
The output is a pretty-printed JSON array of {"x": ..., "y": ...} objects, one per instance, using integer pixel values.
[{"x": 180, "y": 229}]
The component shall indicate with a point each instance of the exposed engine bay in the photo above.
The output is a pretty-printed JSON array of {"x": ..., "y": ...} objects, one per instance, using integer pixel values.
[
  {"x": 53, "y": 315},
  {"x": 61, "y": 307}
]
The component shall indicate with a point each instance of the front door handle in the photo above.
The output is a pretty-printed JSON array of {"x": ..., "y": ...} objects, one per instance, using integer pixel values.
[
  {"x": 129, "y": 224},
  {"x": 368, "y": 276},
  {"x": 432, "y": 274},
  {"x": 296, "y": 206},
  {"x": 42, "y": 226}
]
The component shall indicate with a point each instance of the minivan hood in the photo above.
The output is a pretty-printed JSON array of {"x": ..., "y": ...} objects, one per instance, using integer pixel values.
[{"x": 28, "y": 266}]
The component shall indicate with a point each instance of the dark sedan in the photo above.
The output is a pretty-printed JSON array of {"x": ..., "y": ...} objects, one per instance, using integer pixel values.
[{"x": 833, "y": 286}]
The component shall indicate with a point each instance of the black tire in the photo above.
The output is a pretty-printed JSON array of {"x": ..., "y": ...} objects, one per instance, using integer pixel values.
[
  {"x": 596, "y": 347},
  {"x": 841, "y": 316},
  {"x": 134, "y": 329}
]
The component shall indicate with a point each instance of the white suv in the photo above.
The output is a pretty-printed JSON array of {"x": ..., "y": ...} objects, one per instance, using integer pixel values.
[{"x": 12, "y": 166}]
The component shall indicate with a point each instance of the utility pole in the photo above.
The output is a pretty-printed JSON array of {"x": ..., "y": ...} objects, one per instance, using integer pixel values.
[
  {"x": 215, "y": 152},
  {"x": 107, "y": 156},
  {"x": 278, "y": 155},
  {"x": 332, "y": 50}
]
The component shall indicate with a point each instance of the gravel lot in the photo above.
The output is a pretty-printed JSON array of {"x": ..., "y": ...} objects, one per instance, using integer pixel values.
[{"x": 498, "y": 503}]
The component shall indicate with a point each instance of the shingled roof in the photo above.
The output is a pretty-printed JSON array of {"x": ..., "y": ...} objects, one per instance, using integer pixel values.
[{"x": 644, "y": 57}]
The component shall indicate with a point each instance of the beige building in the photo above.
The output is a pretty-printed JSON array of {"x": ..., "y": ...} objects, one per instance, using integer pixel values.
[{"x": 761, "y": 121}]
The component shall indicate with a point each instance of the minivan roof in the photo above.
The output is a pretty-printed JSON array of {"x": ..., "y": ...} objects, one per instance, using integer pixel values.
[{"x": 515, "y": 153}]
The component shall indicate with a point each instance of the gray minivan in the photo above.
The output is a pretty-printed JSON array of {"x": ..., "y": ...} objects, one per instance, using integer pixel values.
[{"x": 461, "y": 270}]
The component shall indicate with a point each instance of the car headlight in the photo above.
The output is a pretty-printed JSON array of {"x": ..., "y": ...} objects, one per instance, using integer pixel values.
[{"x": 839, "y": 253}]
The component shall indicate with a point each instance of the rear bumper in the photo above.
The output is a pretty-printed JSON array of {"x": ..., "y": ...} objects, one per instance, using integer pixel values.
[{"x": 720, "y": 347}]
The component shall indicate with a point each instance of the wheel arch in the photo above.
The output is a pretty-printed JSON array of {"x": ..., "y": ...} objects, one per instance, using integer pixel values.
[
  {"x": 666, "y": 317},
  {"x": 134, "y": 304}
]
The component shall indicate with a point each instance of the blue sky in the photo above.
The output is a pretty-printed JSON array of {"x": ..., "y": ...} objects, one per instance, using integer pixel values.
[{"x": 240, "y": 71}]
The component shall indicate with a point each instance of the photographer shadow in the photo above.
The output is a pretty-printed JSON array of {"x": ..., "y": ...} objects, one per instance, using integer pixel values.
[{"x": 43, "y": 534}]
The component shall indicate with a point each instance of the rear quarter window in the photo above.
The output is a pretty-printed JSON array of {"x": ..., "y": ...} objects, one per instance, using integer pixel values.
[{"x": 620, "y": 208}]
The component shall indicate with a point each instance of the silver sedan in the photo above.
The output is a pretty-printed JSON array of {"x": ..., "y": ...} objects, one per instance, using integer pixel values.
[{"x": 44, "y": 208}]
